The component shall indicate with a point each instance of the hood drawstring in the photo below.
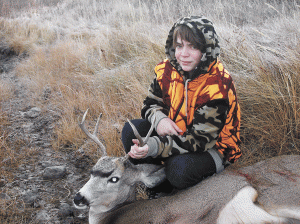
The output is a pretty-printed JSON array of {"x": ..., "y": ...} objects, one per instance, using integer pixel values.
[{"x": 186, "y": 97}]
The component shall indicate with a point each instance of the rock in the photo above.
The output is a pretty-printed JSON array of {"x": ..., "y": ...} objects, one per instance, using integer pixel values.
[
  {"x": 2, "y": 182},
  {"x": 69, "y": 220},
  {"x": 30, "y": 197},
  {"x": 23, "y": 176},
  {"x": 54, "y": 172},
  {"x": 28, "y": 126},
  {"x": 4, "y": 197},
  {"x": 33, "y": 112},
  {"x": 65, "y": 210},
  {"x": 42, "y": 215},
  {"x": 45, "y": 164},
  {"x": 82, "y": 162},
  {"x": 46, "y": 93}
]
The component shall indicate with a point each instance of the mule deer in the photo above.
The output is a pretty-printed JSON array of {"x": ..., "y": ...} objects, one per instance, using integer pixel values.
[{"x": 267, "y": 192}]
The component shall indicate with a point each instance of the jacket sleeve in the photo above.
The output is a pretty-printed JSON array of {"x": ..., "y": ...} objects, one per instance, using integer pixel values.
[
  {"x": 200, "y": 136},
  {"x": 154, "y": 109}
]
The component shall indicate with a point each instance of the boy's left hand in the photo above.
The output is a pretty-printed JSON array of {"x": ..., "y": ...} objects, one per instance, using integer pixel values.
[{"x": 138, "y": 152}]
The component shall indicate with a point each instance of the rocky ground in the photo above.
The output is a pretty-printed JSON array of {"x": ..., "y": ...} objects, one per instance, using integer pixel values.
[{"x": 47, "y": 180}]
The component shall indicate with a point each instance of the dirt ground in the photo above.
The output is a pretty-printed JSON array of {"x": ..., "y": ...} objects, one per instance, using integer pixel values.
[{"x": 38, "y": 183}]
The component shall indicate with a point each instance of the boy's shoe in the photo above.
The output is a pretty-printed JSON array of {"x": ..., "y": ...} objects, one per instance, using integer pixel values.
[
  {"x": 155, "y": 195},
  {"x": 163, "y": 189},
  {"x": 152, "y": 194}
]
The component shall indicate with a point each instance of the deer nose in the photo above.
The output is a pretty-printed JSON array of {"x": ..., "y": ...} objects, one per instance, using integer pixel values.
[{"x": 80, "y": 200}]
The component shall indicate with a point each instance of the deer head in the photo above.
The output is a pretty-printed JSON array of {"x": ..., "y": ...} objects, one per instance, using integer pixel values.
[{"x": 113, "y": 179}]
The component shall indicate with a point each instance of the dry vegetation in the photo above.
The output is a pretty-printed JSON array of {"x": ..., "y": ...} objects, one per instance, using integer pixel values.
[{"x": 101, "y": 54}]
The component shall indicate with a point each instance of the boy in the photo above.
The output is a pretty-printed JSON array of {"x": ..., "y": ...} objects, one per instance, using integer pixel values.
[{"x": 192, "y": 102}]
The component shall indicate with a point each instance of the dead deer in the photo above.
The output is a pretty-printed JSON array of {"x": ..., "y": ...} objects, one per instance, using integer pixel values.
[{"x": 266, "y": 192}]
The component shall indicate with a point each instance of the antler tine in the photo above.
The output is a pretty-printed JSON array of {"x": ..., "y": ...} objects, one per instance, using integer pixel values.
[
  {"x": 136, "y": 133},
  {"x": 150, "y": 131},
  {"x": 126, "y": 157},
  {"x": 94, "y": 135},
  {"x": 138, "y": 136}
]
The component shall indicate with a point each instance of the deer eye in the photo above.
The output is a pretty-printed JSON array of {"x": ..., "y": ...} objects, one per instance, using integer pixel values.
[{"x": 114, "y": 179}]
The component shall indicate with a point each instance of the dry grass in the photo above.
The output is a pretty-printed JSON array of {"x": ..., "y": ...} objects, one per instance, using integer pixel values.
[
  {"x": 12, "y": 208},
  {"x": 6, "y": 90},
  {"x": 265, "y": 63},
  {"x": 101, "y": 54},
  {"x": 13, "y": 211},
  {"x": 11, "y": 8}
]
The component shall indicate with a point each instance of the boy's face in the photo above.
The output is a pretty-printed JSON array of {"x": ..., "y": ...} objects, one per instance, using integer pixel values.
[{"x": 187, "y": 55}]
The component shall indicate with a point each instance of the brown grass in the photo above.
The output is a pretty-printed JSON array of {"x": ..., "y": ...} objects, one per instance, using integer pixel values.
[
  {"x": 13, "y": 154},
  {"x": 10, "y": 8},
  {"x": 101, "y": 54},
  {"x": 13, "y": 211},
  {"x": 104, "y": 61},
  {"x": 6, "y": 90}
]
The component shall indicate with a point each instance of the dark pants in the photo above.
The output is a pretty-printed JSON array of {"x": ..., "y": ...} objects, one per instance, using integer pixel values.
[{"x": 182, "y": 171}]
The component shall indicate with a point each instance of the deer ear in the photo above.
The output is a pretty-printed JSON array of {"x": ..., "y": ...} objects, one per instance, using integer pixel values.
[{"x": 151, "y": 175}]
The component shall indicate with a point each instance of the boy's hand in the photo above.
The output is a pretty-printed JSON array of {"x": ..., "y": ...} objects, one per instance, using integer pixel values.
[
  {"x": 167, "y": 127},
  {"x": 138, "y": 152}
]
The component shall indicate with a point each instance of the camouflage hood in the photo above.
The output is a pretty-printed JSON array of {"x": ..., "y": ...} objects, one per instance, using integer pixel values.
[{"x": 203, "y": 29}]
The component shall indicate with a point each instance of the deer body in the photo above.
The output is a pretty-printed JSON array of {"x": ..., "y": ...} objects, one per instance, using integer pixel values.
[
  {"x": 267, "y": 192},
  {"x": 227, "y": 197}
]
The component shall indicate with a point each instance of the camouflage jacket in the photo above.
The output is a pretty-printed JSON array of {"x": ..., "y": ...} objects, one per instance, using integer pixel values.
[
  {"x": 203, "y": 105},
  {"x": 205, "y": 108}
]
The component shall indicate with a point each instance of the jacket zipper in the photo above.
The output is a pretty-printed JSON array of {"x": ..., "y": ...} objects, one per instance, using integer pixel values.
[{"x": 186, "y": 98}]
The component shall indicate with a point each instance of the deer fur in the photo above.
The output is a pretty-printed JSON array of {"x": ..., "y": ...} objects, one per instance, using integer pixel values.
[{"x": 266, "y": 192}]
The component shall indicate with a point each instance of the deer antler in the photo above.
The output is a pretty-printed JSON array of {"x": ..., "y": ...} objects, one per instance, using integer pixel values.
[
  {"x": 97, "y": 141},
  {"x": 138, "y": 136},
  {"x": 94, "y": 135}
]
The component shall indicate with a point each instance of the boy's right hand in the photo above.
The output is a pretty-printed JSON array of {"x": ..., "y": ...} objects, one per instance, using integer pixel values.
[
  {"x": 138, "y": 152},
  {"x": 167, "y": 127}
]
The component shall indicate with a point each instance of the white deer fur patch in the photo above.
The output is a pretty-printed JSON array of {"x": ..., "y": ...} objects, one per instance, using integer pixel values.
[{"x": 241, "y": 209}]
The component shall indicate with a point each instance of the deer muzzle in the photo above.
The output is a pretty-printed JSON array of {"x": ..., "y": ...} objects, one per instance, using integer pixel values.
[{"x": 80, "y": 201}]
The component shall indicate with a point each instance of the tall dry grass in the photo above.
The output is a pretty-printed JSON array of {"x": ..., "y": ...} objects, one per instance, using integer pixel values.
[
  {"x": 11, "y": 8},
  {"x": 101, "y": 54},
  {"x": 266, "y": 62}
]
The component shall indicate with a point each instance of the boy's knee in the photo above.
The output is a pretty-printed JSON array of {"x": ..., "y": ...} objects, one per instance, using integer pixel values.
[
  {"x": 177, "y": 181},
  {"x": 188, "y": 169},
  {"x": 125, "y": 128},
  {"x": 177, "y": 172}
]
